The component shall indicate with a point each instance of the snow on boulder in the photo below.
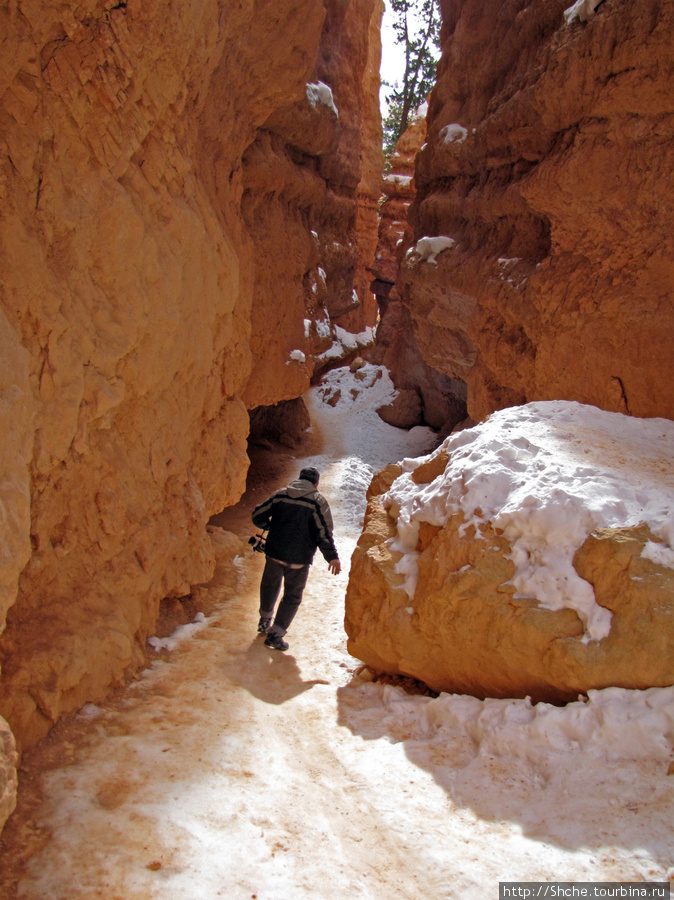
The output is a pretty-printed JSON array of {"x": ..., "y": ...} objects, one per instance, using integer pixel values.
[
  {"x": 530, "y": 555},
  {"x": 345, "y": 342}
]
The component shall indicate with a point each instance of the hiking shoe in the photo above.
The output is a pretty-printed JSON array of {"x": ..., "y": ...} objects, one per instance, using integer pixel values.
[
  {"x": 275, "y": 641},
  {"x": 263, "y": 626}
]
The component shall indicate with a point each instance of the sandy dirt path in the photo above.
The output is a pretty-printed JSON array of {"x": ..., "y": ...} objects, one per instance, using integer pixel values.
[
  {"x": 224, "y": 771},
  {"x": 229, "y": 770}
]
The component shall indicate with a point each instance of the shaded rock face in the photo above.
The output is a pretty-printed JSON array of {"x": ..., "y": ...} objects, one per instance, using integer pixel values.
[
  {"x": 548, "y": 160},
  {"x": 136, "y": 219},
  {"x": 310, "y": 189},
  {"x": 425, "y": 396},
  {"x": 284, "y": 422},
  {"x": 466, "y": 633}
]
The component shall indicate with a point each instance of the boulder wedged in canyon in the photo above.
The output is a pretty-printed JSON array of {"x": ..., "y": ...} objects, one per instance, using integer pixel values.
[
  {"x": 130, "y": 261},
  {"x": 486, "y": 568},
  {"x": 548, "y": 160}
]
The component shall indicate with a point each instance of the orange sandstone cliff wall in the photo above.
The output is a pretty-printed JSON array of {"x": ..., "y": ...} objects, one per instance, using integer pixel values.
[
  {"x": 138, "y": 240},
  {"x": 548, "y": 160}
]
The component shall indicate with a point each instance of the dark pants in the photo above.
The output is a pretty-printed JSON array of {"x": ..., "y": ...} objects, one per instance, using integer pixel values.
[{"x": 294, "y": 581}]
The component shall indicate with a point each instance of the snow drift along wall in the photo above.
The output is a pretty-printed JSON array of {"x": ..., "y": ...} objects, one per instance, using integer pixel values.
[
  {"x": 132, "y": 262},
  {"x": 548, "y": 161}
]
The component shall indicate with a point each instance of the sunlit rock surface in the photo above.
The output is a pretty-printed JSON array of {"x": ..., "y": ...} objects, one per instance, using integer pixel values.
[
  {"x": 161, "y": 172},
  {"x": 548, "y": 159},
  {"x": 528, "y": 556}
]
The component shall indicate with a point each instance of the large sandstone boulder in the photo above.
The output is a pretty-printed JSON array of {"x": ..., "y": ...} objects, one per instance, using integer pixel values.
[
  {"x": 490, "y": 568},
  {"x": 548, "y": 160}
]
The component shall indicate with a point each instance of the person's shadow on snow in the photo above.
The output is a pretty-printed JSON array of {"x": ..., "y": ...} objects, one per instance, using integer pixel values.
[{"x": 269, "y": 675}]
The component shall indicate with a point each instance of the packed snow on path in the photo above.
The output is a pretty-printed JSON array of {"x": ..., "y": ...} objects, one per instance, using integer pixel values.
[{"x": 231, "y": 771}]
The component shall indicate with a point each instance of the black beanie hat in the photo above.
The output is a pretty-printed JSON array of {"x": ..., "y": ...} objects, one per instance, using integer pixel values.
[{"x": 310, "y": 474}]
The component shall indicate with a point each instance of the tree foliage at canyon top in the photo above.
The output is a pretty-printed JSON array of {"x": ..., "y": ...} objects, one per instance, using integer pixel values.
[{"x": 417, "y": 29}]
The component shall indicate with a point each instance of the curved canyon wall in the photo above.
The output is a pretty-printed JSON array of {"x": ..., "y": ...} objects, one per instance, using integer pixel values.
[
  {"x": 548, "y": 162},
  {"x": 424, "y": 395},
  {"x": 162, "y": 170},
  {"x": 311, "y": 186}
]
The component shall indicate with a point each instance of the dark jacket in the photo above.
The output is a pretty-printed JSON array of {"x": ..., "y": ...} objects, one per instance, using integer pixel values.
[{"x": 299, "y": 520}]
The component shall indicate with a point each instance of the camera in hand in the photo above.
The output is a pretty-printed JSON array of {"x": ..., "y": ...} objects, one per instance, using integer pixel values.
[{"x": 257, "y": 542}]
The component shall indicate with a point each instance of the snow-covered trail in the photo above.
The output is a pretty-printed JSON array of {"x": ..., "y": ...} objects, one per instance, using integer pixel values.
[{"x": 232, "y": 771}]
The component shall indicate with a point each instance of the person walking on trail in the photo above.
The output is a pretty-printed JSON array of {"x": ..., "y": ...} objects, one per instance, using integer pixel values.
[{"x": 298, "y": 520}]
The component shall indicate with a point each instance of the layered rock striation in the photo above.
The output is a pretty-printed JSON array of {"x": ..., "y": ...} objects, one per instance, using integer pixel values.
[
  {"x": 161, "y": 173},
  {"x": 548, "y": 161}
]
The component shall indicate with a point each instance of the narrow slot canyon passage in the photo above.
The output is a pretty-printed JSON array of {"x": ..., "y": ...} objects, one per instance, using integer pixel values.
[
  {"x": 209, "y": 237},
  {"x": 229, "y": 770}
]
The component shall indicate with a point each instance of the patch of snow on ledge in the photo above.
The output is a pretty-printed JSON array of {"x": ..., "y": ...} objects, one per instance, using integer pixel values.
[
  {"x": 352, "y": 341},
  {"x": 346, "y": 341},
  {"x": 427, "y": 248},
  {"x": 420, "y": 112},
  {"x": 402, "y": 180},
  {"x": 323, "y": 325},
  {"x": 181, "y": 633},
  {"x": 547, "y": 474},
  {"x": 321, "y": 93},
  {"x": 453, "y": 134},
  {"x": 298, "y": 356},
  {"x": 582, "y": 10}
]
